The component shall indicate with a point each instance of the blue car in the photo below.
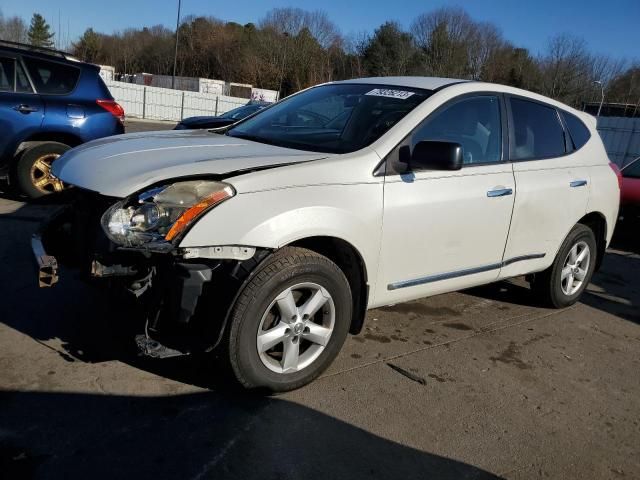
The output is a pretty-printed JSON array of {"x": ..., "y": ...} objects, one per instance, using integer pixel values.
[{"x": 49, "y": 103}]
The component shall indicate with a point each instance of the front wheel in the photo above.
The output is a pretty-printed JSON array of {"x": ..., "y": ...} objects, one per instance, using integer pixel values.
[
  {"x": 563, "y": 282},
  {"x": 289, "y": 322}
]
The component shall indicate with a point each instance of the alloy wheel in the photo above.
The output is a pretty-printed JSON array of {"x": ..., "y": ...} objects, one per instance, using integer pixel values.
[
  {"x": 576, "y": 266},
  {"x": 296, "y": 328},
  {"x": 41, "y": 176}
]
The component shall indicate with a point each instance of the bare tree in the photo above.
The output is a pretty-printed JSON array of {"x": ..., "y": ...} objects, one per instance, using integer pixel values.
[
  {"x": 13, "y": 29},
  {"x": 293, "y": 20},
  {"x": 445, "y": 36}
]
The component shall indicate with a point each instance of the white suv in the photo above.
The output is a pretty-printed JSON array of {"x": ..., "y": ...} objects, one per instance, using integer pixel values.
[{"x": 271, "y": 238}]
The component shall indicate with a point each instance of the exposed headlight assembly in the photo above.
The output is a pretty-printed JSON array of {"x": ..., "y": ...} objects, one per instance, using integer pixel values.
[{"x": 162, "y": 213}]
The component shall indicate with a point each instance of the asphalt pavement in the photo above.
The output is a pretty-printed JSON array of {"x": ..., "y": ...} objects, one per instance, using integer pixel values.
[{"x": 476, "y": 384}]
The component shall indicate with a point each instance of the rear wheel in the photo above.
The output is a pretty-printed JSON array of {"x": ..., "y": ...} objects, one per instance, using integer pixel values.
[
  {"x": 562, "y": 284},
  {"x": 33, "y": 171},
  {"x": 289, "y": 322}
]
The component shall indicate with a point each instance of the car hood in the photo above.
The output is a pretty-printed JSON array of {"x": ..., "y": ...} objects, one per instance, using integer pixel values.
[
  {"x": 121, "y": 165},
  {"x": 204, "y": 120}
]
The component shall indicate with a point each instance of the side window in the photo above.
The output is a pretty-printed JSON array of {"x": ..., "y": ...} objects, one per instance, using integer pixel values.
[
  {"x": 50, "y": 77},
  {"x": 22, "y": 82},
  {"x": 537, "y": 131},
  {"x": 7, "y": 74},
  {"x": 577, "y": 130},
  {"x": 473, "y": 122}
]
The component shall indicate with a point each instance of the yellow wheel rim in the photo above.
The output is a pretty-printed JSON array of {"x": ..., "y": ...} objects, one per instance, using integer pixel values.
[{"x": 42, "y": 178}]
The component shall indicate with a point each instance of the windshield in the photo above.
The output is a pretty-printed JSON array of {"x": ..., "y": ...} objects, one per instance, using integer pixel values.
[
  {"x": 338, "y": 118},
  {"x": 240, "y": 112}
]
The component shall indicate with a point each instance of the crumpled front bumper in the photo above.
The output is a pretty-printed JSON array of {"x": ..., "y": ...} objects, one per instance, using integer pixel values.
[
  {"x": 166, "y": 288},
  {"x": 46, "y": 264}
]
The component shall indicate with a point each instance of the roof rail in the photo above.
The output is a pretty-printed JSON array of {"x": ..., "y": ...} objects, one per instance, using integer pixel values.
[{"x": 33, "y": 48}]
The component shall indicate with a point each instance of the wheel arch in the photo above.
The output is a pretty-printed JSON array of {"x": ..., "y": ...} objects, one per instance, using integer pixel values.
[
  {"x": 350, "y": 261},
  {"x": 597, "y": 222},
  {"x": 44, "y": 137}
]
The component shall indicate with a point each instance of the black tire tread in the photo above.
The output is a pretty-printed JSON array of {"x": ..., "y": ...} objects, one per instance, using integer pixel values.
[
  {"x": 543, "y": 285},
  {"x": 279, "y": 260}
]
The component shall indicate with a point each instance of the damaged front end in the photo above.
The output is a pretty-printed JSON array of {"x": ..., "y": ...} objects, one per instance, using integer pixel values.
[{"x": 129, "y": 247}]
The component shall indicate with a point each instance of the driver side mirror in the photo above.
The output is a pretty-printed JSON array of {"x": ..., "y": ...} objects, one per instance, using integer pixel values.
[{"x": 430, "y": 155}]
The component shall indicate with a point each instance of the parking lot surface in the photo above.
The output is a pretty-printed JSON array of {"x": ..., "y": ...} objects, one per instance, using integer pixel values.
[{"x": 476, "y": 384}]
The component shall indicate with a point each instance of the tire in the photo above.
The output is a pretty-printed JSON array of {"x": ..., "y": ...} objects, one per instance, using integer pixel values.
[
  {"x": 33, "y": 170},
  {"x": 305, "y": 275},
  {"x": 552, "y": 285}
]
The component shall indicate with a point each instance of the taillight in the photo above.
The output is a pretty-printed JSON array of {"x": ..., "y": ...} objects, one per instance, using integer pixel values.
[
  {"x": 113, "y": 108},
  {"x": 618, "y": 173}
]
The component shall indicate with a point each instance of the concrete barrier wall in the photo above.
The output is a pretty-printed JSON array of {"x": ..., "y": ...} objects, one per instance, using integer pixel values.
[{"x": 155, "y": 103}]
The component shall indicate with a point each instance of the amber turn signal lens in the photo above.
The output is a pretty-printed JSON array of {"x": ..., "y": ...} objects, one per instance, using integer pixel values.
[{"x": 196, "y": 210}]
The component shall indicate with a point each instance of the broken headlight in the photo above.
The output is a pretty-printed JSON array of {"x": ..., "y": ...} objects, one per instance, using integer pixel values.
[{"x": 162, "y": 213}]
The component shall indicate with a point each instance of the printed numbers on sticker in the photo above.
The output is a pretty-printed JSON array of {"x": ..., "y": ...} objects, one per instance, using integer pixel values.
[{"x": 386, "y": 92}]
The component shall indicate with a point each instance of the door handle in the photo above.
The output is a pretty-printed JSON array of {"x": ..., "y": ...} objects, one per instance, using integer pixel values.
[
  {"x": 23, "y": 108},
  {"x": 578, "y": 183},
  {"x": 499, "y": 192}
]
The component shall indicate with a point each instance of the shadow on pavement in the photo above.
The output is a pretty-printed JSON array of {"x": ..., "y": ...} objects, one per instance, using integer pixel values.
[
  {"x": 76, "y": 320},
  {"x": 81, "y": 325},
  {"x": 614, "y": 288},
  {"x": 7, "y": 193},
  {"x": 216, "y": 434},
  {"x": 201, "y": 435}
]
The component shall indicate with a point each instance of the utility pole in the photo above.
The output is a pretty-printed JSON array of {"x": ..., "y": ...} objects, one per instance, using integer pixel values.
[
  {"x": 175, "y": 55},
  {"x": 598, "y": 82}
]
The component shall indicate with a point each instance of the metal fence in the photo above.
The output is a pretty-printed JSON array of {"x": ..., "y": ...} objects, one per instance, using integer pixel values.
[
  {"x": 621, "y": 138},
  {"x": 155, "y": 103}
]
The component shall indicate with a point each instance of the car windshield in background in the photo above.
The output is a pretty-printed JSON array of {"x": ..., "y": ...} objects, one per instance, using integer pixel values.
[
  {"x": 241, "y": 112},
  {"x": 338, "y": 118}
]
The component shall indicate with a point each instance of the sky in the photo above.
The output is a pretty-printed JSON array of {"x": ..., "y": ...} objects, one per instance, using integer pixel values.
[{"x": 609, "y": 27}]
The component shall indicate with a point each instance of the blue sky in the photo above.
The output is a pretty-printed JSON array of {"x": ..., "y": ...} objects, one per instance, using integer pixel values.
[{"x": 609, "y": 27}]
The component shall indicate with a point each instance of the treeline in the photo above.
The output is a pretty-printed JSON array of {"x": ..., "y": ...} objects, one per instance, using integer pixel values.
[{"x": 290, "y": 49}]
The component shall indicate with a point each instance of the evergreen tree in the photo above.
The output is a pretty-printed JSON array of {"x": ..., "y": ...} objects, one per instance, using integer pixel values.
[
  {"x": 39, "y": 32},
  {"x": 88, "y": 46}
]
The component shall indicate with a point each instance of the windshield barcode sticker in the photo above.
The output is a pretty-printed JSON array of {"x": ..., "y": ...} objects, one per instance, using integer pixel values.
[{"x": 385, "y": 92}]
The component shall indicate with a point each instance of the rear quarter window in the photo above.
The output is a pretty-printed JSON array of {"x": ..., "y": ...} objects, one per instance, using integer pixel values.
[
  {"x": 52, "y": 78},
  {"x": 578, "y": 131},
  {"x": 537, "y": 132}
]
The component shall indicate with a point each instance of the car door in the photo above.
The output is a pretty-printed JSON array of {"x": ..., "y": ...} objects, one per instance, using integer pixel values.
[
  {"x": 446, "y": 230},
  {"x": 552, "y": 181},
  {"x": 21, "y": 110},
  {"x": 631, "y": 185}
]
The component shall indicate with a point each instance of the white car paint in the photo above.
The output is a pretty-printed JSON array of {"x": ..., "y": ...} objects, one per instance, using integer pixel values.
[
  {"x": 431, "y": 225},
  {"x": 120, "y": 165}
]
